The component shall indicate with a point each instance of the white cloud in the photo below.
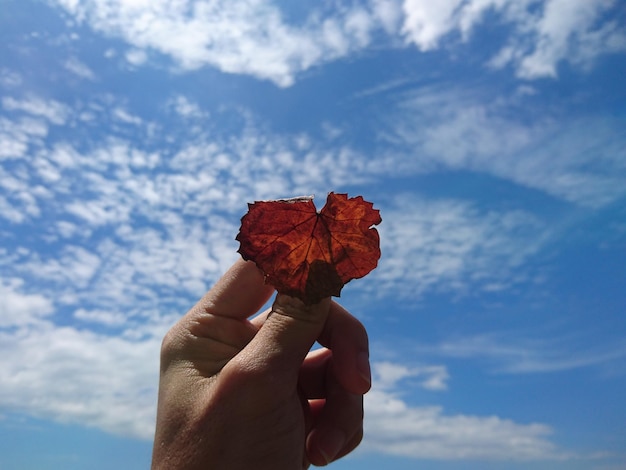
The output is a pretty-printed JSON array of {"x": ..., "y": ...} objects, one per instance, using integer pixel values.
[
  {"x": 578, "y": 159},
  {"x": 541, "y": 36},
  {"x": 23, "y": 131},
  {"x": 9, "y": 78},
  {"x": 19, "y": 198},
  {"x": 55, "y": 112},
  {"x": 123, "y": 115},
  {"x": 516, "y": 355},
  {"x": 388, "y": 374},
  {"x": 78, "y": 376},
  {"x": 566, "y": 30},
  {"x": 441, "y": 245},
  {"x": 136, "y": 57},
  {"x": 131, "y": 236},
  {"x": 427, "y": 22},
  {"x": 76, "y": 266},
  {"x": 150, "y": 231},
  {"x": 435, "y": 377},
  {"x": 19, "y": 308},
  {"x": 17, "y": 136},
  {"x": 395, "y": 427},
  {"x": 79, "y": 69},
  {"x": 388, "y": 13},
  {"x": 448, "y": 245},
  {"x": 99, "y": 212},
  {"x": 147, "y": 221},
  {"x": 104, "y": 317},
  {"x": 252, "y": 37},
  {"x": 142, "y": 226},
  {"x": 68, "y": 229},
  {"x": 186, "y": 108},
  {"x": 249, "y": 37},
  {"x": 9, "y": 212}
]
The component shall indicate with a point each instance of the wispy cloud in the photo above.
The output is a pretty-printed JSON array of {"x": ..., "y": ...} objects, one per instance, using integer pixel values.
[
  {"x": 562, "y": 30},
  {"x": 449, "y": 245},
  {"x": 541, "y": 34},
  {"x": 131, "y": 233},
  {"x": 579, "y": 159},
  {"x": 51, "y": 110},
  {"x": 187, "y": 108},
  {"x": 144, "y": 218},
  {"x": 79, "y": 68},
  {"x": 519, "y": 355},
  {"x": 429, "y": 377},
  {"x": 116, "y": 221},
  {"x": 118, "y": 212},
  {"x": 123, "y": 115},
  {"x": 392, "y": 426},
  {"x": 136, "y": 57},
  {"x": 9, "y": 78},
  {"x": 255, "y": 38},
  {"x": 103, "y": 317}
]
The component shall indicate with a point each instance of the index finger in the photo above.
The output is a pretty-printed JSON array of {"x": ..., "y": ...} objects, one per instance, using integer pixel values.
[
  {"x": 346, "y": 336},
  {"x": 238, "y": 294}
]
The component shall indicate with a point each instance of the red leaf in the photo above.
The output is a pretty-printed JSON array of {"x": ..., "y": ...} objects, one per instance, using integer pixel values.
[{"x": 307, "y": 254}]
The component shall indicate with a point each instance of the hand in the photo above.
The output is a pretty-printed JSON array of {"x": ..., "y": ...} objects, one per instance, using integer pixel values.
[{"x": 236, "y": 393}]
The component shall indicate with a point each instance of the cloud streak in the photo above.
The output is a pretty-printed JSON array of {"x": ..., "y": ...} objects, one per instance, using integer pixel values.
[
  {"x": 579, "y": 160},
  {"x": 528, "y": 356}
]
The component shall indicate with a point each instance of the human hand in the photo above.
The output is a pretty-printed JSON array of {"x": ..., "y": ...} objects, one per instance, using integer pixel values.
[{"x": 236, "y": 393}]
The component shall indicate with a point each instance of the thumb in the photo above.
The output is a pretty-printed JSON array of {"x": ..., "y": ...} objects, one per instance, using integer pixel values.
[
  {"x": 285, "y": 338},
  {"x": 295, "y": 326}
]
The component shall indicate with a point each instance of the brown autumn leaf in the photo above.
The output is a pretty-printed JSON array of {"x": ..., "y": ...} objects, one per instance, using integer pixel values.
[{"x": 309, "y": 254}]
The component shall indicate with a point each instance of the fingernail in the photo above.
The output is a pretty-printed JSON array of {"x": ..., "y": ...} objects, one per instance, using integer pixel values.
[
  {"x": 363, "y": 366},
  {"x": 331, "y": 444}
]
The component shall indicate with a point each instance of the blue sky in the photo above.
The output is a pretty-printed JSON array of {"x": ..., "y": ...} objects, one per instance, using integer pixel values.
[{"x": 491, "y": 134}]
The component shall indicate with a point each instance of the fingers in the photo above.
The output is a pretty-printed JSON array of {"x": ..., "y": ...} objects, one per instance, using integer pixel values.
[
  {"x": 216, "y": 328},
  {"x": 274, "y": 345},
  {"x": 336, "y": 415},
  {"x": 338, "y": 423},
  {"x": 240, "y": 293},
  {"x": 277, "y": 351},
  {"x": 335, "y": 378},
  {"x": 347, "y": 338}
]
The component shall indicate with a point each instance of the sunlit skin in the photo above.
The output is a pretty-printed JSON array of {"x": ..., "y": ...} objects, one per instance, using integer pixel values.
[{"x": 238, "y": 392}]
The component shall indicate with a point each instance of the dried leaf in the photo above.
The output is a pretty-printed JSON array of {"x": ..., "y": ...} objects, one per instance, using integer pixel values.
[{"x": 309, "y": 254}]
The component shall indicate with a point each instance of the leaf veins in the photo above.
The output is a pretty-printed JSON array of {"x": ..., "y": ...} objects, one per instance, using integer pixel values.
[{"x": 308, "y": 254}]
